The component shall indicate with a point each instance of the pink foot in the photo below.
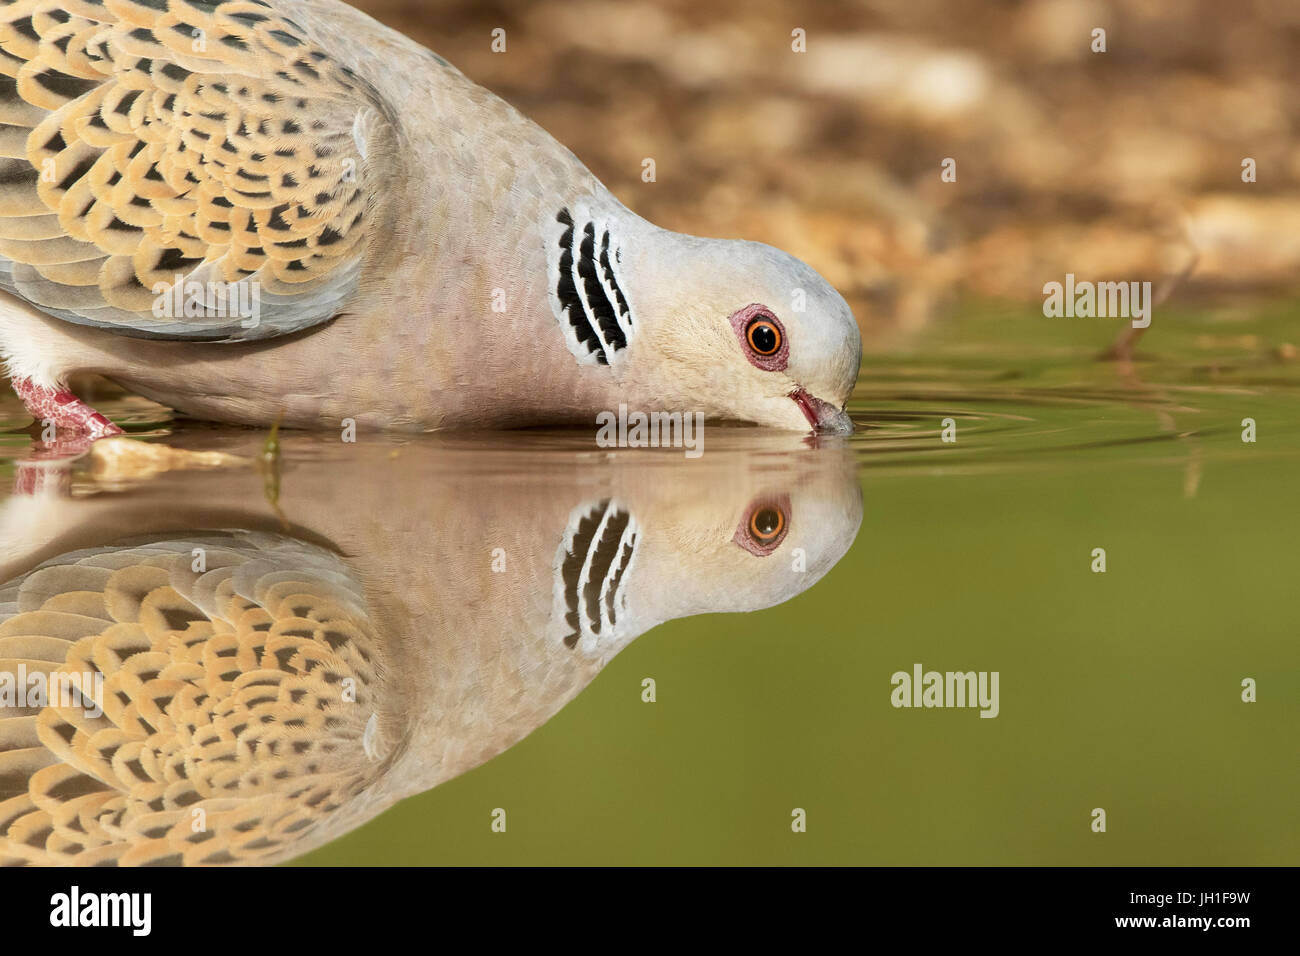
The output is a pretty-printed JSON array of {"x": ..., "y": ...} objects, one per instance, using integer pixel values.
[
  {"x": 64, "y": 410},
  {"x": 38, "y": 476}
]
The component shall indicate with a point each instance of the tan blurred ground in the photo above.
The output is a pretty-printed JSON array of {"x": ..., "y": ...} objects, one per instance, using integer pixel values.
[{"x": 1117, "y": 165}]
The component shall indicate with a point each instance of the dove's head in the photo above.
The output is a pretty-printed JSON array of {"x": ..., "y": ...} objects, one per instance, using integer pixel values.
[
  {"x": 748, "y": 332},
  {"x": 737, "y": 330},
  {"x": 739, "y": 531}
]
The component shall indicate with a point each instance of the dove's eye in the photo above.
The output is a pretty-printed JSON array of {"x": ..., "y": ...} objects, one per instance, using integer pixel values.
[
  {"x": 764, "y": 526},
  {"x": 764, "y": 335}
]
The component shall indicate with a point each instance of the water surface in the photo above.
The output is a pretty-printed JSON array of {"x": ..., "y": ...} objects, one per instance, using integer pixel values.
[{"x": 1118, "y": 690}]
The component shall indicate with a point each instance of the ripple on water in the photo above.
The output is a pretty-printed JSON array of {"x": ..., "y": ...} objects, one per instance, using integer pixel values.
[{"x": 909, "y": 413}]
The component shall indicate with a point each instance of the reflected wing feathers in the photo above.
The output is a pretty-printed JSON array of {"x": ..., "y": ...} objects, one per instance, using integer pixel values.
[{"x": 240, "y": 687}]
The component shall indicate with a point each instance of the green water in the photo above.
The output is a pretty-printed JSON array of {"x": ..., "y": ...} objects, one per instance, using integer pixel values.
[{"x": 1119, "y": 690}]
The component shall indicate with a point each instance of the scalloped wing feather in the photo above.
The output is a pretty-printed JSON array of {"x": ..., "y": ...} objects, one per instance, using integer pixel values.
[
  {"x": 144, "y": 142},
  {"x": 242, "y": 704}
]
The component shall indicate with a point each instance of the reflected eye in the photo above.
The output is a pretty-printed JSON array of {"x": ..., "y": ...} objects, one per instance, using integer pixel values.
[
  {"x": 764, "y": 526},
  {"x": 763, "y": 335}
]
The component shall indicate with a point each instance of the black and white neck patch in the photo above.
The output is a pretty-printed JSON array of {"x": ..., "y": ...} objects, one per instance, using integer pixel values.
[
  {"x": 586, "y": 296},
  {"x": 591, "y": 575}
]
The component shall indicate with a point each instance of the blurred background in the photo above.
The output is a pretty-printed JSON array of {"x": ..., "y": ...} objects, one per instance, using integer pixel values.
[{"x": 1122, "y": 165}]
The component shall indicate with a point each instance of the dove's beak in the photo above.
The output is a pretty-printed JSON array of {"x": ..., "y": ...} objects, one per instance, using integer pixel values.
[{"x": 824, "y": 417}]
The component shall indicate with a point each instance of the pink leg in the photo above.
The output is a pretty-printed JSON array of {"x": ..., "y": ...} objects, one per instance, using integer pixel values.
[
  {"x": 40, "y": 476},
  {"x": 78, "y": 427},
  {"x": 64, "y": 409}
]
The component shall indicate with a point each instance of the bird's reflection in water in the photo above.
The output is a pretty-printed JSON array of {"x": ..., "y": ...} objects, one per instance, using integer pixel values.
[{"x": 228, "y": 682}]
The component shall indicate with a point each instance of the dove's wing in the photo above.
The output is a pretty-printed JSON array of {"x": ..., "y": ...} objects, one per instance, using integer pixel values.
[
  {"x": 241, "y": 716},
  {"x": 146, "y": 140}
]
